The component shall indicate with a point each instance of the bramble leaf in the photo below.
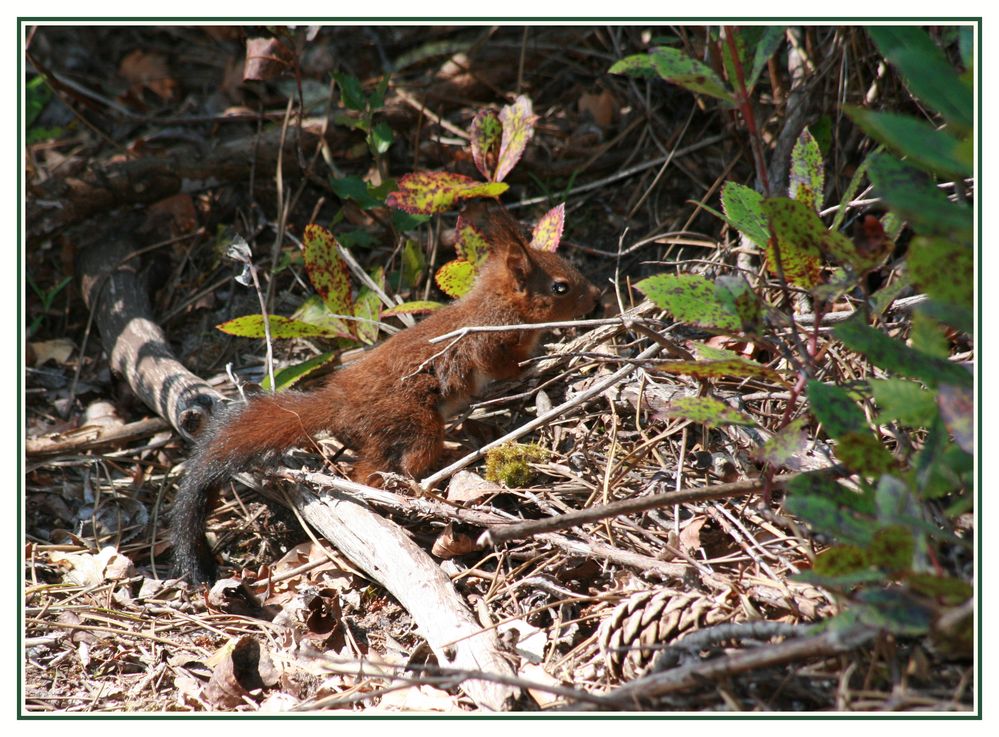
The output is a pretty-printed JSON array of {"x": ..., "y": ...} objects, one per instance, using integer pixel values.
[
  {"x": 920, "y": 142},
  {"x": 252, "y": 326},
  {"x": 717, "y": 363},
  {"x": 471, "y": 244},
  {"x": 927, "y": 72},
  {"x": 798, "y": 232},
  {"x": 807, "y": 173},
  {"x": 367, "y": 308},
  {"x": 427, "y": 192},
  {"x": 675, "y": 66},
  {"x": 914, "y": 196},
  {"x": 455, "y": 278},
  {"x": 896, "y": 357},
  {"x": 291, "y": 375},
  {"x": 413, "y": 263},
  {"x": 834, "y": 408},
  {"x": 636, "y": 65},
  {"x": 738, "y": 298},
  {"x": 417, "y": 307},
  {"x": 689, "y": 298},
  {"x": 952, "y": 284},
  {"x": 904, "y": 401},
  {"x": 862, "y": 452},
  {"x": 706, "y": 411},
  {"x": 518, "y": 128},
  {"x": 743, "y": 208},
  {"x": 484, "y": 135},
  {"x": 548, "y": 231},
  {"x": 327, "y": 271}
]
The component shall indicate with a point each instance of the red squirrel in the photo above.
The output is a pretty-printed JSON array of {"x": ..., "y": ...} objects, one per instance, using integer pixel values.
[{"x": 391, "y": 404}]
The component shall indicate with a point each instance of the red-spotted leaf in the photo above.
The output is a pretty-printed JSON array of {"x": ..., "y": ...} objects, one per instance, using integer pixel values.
[
  {"x": 484, "y": 134},
  {"x": 864, "y": 453},
  {"x": 717, "y": 363},
  {"x": 417, "y": 307},
  {"x": 690, "y": 298},
  {"x": 518, "y": 128},
  {"x": 252, "y": 326},
  {"x": 548, "y": 232},
  {"x": 706, "y": 411},
  {"x": 327, "y": 271},
  {"x": 799, "y": 232},
  {"x": 807, "y": 174},
  {"x": 951, "y": 283},
  {"x": 427, "y": 192},
  {"x": 471, "y": 244},
  {"x": 675, "y": 66},
  {"x": 455, "y": 278}
]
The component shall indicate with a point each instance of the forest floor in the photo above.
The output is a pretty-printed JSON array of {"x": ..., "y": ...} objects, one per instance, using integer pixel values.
[{"x": 171, "y": 140}]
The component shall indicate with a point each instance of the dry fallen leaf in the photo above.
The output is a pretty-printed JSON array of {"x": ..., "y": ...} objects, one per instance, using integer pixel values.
[
  {"x": 147, "y": 71},
  {"x": 58, "y": 350}
]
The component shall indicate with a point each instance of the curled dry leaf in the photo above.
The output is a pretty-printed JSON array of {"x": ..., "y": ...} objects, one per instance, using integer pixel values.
[
  {"x": 242, "y": 668},
  {"x": 147, "y": 71}
]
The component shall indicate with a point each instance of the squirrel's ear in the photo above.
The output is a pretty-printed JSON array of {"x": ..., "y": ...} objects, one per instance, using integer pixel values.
[{"x": 518, "y": 261}]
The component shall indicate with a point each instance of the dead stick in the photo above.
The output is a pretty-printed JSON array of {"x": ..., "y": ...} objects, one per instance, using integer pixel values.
[{"x": 504, "y": 533}]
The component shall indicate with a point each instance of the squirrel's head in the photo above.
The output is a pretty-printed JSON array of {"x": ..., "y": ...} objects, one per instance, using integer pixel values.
[{"x": 542, "y": 285}]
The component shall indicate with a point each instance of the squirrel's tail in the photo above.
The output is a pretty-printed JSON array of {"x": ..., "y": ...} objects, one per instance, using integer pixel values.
[{"x": 236, "y": 438}]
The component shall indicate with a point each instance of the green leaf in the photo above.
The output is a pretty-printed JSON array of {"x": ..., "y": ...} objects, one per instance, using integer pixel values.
[
  {"x": 359, "y": 238},
  {"x": 351, "y": 92},
  {"x": 470, "y": 244},
  {"x": 955, "y": 283},
  {"x": 456, "y": 278},
  {"x": 904, "y": 401},
  {"x": 675, "y": 66},
  {"x": 834, "y": 408},
  {"x": 427, "y": 192},
  {"x": 894, "y": 610},
  {"x": 739, "y": 299},
  {"x": 315, "y": 312},
  {"x": 380, "y": 138},
  {"x": 895, "y": 357},
  {"x": 946, "y": 590},
  {"x": 908, "y": 191},
  {"x": 548, "y": 231},
  {"x": 37, "y": 96},
  {"x": 957, "y": 408},
  {"x": 636, "y": 65},
  {"x": 950, "y": 314},
  {"x": 798, "y": 232},
  {"x": 824, "y": 485},
  {"x": 377, "y": 98},
  {"x": 367, "y": 308},
  {"x": 291, "y": 375},
  {"x": 785, "y": 444},
  {"x": 718, "y": 363},
  {"x": 706, "y": 411},
  {"x": 404, "y": 221},
  {"x": 927, "y": 336},
  {"x": 484, "y": 136},
  {"x": 892, "y": 548},
  {"x": 807, "y": 173},
  {"x": 414, "y": 261},
  {"x": 518, "y": 128},
  {"x": 252, "y": 326},
  {"x": 689, "y": 298},
  {"x": 863, "y": 453},
  {"x": 766, "y": 47},
  {"x": 417, "y": 307},
  {"x": 826, "y": 516},
  {"x": 841, "y": 560},
  {"x": 927, "y": 72},
  {"x": 357, "y": 190},
  {"x": 935, "y": 150},
  {"x": 744, "y": 211},
  {"x": 327, "y": 271}
]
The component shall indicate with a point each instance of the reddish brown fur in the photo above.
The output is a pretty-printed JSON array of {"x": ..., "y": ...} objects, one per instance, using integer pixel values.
[{"x": 390, "y": 405}]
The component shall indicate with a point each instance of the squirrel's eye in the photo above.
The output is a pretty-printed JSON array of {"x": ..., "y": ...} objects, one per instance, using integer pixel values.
[{"x": 560, "y": 287}]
